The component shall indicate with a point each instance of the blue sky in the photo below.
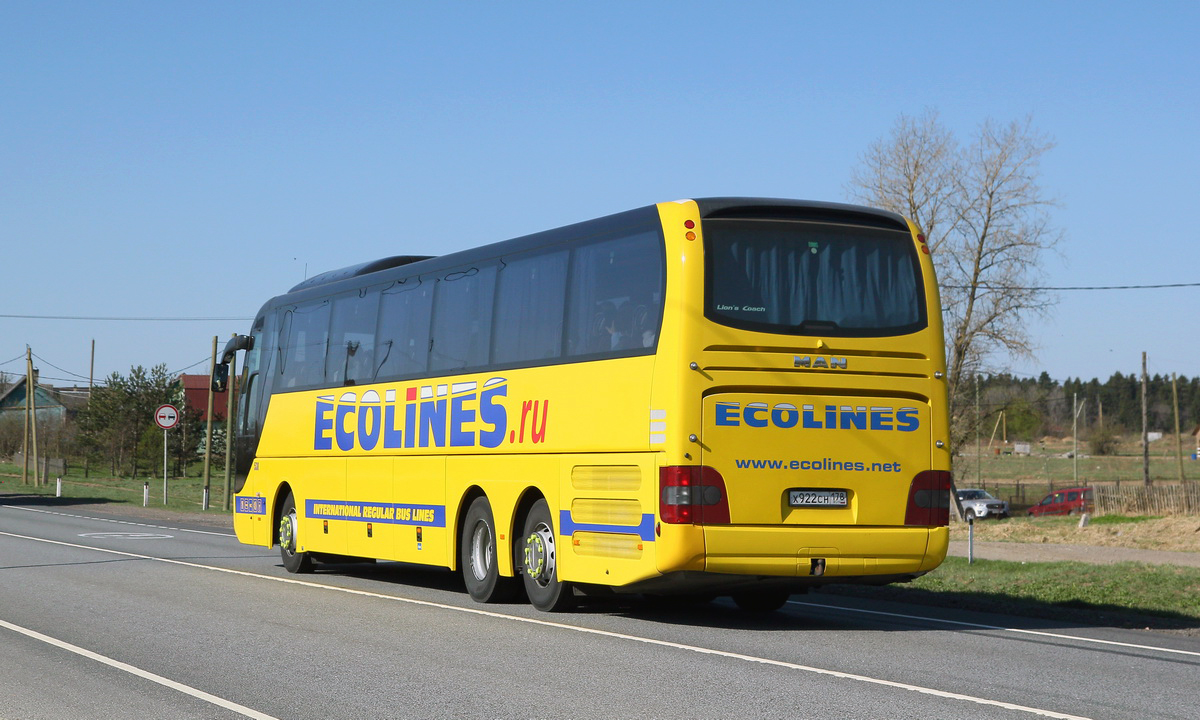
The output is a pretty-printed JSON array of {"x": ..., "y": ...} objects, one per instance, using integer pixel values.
[{"x": 189, "y": 160}]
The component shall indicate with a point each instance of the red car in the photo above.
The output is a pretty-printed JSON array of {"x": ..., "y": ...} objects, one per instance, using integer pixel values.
[{"x": 1071, "y": 501}]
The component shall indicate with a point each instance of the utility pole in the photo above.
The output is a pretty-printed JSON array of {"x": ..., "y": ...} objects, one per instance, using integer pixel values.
[
  {"x": 25, "y": 437},
  {"x": 208, "y": 431},
  {"x": 31, "y": 403},
  {"x": 1075, "y": 437},
  {"x": 87, "y": 459},
  {"x": 978, "y": 438},
  {"x": 1178, "y": 435},
  {"x": 1145, "y": 428}
]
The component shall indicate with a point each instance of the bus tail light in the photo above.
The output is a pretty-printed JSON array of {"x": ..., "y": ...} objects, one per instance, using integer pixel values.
[
  {"x": 692, "y": 494},
  {"x": 929, "y": 499}
]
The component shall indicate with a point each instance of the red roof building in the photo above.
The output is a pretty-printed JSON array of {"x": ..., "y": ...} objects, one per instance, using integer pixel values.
[{"x": 195, "y": 394}]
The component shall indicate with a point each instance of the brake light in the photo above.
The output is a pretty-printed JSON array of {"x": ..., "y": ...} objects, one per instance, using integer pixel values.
[
  {"x": 692, "y": 494},
  {"x": 929, "y": 499}
]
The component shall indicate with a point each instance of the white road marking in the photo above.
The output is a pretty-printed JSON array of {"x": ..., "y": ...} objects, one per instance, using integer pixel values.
[
  {"x": 1059, "y": 636},
  {"x": 117, "y": 522},
  {"x": 146, "y": 674},
  {"x": 589, "y": 631},
  {"x": 126, "y": 536}
]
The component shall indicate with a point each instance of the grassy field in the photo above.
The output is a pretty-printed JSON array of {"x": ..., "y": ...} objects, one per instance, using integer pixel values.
[
  {"x": 1025, "y": 480},
  {"x": 183, "y": 494}
]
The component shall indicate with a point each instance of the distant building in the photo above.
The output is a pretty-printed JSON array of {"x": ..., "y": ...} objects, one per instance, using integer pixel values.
[
  {"x": 52, "y": 405},
  {"x": 195, "y": 394}
]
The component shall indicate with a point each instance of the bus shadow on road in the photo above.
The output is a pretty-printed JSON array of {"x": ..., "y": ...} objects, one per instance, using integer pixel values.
[
  {"x": 48, "y": 501},
  {"x": 1019, "y": 613}
]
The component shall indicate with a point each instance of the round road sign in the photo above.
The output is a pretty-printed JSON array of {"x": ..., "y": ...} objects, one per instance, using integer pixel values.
[{"x": 166, "y": 416}]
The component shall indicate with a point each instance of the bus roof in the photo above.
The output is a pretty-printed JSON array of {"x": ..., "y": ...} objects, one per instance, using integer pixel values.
[{"x": 710, "y": 208}]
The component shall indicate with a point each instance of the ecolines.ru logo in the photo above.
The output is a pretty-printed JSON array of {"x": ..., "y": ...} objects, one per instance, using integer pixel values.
[
  {"x": 831, "y": 417},
  {"x": 458, "y": 415}
]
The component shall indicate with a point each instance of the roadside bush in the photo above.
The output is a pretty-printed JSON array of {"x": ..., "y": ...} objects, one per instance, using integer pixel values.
[{"x": 1104, "y": 441}]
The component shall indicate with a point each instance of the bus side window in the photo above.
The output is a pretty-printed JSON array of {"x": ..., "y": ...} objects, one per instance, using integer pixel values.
[
  {"x": 462, "y": 319},
  {"x": 305, "y": 345},
  {"x": 352, "y": 347},
  {"x": 402, "y": 339},
  {"x": 615, "y": 295},
  {"x": 530, "y": 295}
]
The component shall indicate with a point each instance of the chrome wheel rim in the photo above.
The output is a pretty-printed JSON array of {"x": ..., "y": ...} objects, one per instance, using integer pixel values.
[{"x": 481, "y": 551}]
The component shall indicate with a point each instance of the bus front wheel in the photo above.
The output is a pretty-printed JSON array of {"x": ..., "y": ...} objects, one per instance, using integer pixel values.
[
  {"x": 478, "y": 556},
  {"x": 295, "y": 562},
  {"x": 538, "y": 559}
]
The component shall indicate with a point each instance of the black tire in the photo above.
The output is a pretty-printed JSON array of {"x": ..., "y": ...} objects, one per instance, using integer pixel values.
[
  {"x": 762, "y": 601},
  {"x": 295, "y": 562},
  {"x": 477, "y": 555},
  {"x": 537, "y": 557}
]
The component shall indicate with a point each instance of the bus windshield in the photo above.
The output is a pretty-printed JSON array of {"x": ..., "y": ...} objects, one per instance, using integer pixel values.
[{"x": 813, "y": 278}]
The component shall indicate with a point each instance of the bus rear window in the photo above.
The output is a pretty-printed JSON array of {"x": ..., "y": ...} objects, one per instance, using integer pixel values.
[{"x": 811, "y": 278}]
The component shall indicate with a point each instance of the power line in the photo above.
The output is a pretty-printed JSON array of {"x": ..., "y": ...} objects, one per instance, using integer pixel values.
[
  {"x": 39, "y": 357},
  {"x": 189, "y": 367},
  {"x": 127, "y": 319},
  {"x": 1075, "y": 287}
]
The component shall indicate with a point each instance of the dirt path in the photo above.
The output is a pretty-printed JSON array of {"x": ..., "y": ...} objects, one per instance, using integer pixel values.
[{"x": 1054, "y": 552}]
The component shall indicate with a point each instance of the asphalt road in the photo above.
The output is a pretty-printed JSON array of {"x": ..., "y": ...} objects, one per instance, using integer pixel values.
[{"x": 141, "y": 619}]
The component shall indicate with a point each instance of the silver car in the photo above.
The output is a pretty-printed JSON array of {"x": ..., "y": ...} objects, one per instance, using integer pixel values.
[{"x": 980, "y": 504}]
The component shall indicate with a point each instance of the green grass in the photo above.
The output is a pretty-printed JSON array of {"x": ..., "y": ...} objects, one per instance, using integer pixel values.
[
  {"x": 1122, "y": 519},
  {"x": 1123, "y": 595},
  {"x": 1025, "y": 480},
  {"x": 183, "y": 494}
]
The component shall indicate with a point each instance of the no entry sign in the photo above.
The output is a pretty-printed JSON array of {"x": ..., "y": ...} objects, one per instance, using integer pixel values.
[{"x": 166, "y": 416}]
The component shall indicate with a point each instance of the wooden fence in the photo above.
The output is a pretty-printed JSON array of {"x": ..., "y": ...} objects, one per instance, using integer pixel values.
[{"x": 1137, "y": 499}]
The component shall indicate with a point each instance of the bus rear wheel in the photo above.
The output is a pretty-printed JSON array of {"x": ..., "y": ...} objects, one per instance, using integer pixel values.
[
  {"x": 537, "y": 557},
  {"x": 478, "y": 556},
  {"x": 295, "y": 562}
]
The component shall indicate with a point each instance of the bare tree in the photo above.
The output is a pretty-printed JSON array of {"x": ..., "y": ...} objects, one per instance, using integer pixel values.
[{"x": 987, "y": 221}]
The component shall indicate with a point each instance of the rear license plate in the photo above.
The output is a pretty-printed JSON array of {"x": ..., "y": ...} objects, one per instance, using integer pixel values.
[{"x": 817, "y": 498}]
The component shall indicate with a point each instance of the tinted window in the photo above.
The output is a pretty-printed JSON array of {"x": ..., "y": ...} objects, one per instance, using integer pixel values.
[
  {"x": 403, "y": 335},
  {"x": 530, "y": 296},
  {"x": 303, "y": 338},
  {"x": 462, "y": 319},
  {"x": 813, "y": 278},
  {"x": 352, "y": 346},
  {"x": 615, "y": 297}
]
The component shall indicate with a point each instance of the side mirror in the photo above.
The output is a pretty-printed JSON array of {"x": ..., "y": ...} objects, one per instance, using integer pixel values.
[{"x": 220, "y": 377}]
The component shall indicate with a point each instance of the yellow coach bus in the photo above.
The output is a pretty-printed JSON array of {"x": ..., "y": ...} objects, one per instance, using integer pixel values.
[{"x": 724, "y": 396}]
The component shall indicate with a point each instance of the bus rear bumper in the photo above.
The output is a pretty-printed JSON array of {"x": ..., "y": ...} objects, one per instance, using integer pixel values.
[{"x": 832, "y": 554}]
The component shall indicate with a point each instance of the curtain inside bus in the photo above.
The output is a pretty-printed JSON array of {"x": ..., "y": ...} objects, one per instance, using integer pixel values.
[{"x": 813, "y": 278}]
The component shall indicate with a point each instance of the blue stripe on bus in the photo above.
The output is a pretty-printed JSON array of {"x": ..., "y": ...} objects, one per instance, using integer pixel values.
[
  {"x": 387, "y": 513},
  {"x": 644, "y": 530}
]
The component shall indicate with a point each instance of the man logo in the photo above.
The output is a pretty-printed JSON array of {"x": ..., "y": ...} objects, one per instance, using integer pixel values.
[{"x": 820, "y": 362}]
